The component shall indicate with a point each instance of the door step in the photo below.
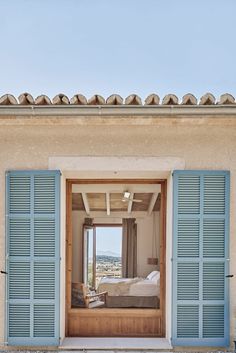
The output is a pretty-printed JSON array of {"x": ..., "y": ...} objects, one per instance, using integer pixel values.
[{"x": 115, "y": 343}]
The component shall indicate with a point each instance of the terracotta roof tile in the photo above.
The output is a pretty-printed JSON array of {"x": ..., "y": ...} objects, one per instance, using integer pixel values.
[
  {"x": 189, "y": 99},
  {"x": 60, "y": 99},
  {"x": 96, "y": 100},
  {"x": 78, "y": 99},
  {"x": 226, "y": 99},
  {"x": 170, "y": 99},
  {"x": 8, "y": 99},
  {"x": 133, "y": 99},
  {"x": 207, "y": 99},
  {"x": 115, "y": 99},
  {"x": 26, "y": 99},
  {"x": 152, "y": 99},
  {"x": 43, "y": 100}
]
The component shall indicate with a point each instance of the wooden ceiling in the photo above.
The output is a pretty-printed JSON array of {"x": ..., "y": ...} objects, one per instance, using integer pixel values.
[{"x": 100, "y": 202}]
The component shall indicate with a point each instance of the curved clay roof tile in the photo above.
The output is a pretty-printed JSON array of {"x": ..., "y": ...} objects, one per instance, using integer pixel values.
[
  {"x": 42, "y": 100},
  {"x": 8, "y": 99},
  {"x": 189, "y": 99},
  {"x": 96, "y": 100},
  {"x": 60, "y": 99},
  {"x": 170, "y": 99},
  {"x": 26, "y": 99},
  {"x": 207, "y": 99},
  {"x": 78, "y": 99},
  {"x": 133, "y": 99},
  {"x": 226, "y": 98},
  {"x": 114, "y": 99},
  {"x": 152, "y": 99}
]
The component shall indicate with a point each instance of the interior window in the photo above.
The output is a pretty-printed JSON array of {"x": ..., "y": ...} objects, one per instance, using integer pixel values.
[
  {"x": 102, "y": 253},
  {"x": 108, "y": 252}
]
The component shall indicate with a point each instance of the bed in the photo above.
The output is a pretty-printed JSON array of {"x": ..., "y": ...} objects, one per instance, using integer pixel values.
[{"x": 132, "y": 292}]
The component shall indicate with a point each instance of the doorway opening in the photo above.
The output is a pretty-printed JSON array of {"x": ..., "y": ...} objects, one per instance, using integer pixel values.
[{"x": 115, "y": 258}]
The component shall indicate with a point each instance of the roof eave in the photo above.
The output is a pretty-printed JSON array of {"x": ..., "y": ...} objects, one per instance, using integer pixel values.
[{"x": 117, "y": 110}]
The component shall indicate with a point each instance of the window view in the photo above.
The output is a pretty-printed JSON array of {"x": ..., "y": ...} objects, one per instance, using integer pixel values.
[
  {"x": 108, "y": 252},
  {"x": 102, "y": 258}
]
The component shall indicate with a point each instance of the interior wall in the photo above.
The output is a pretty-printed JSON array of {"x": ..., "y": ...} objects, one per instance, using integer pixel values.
[
  {"x": 145, "y": 231},
  {"x": 145, "y": 246}
]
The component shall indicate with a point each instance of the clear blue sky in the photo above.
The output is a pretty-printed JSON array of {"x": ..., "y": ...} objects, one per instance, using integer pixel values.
[
  {"x": 109, "y": 239},
  {"x": 117, "y": 46}
]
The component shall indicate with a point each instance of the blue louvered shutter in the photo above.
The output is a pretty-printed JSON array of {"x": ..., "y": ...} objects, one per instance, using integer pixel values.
[
  {"x": 33, "y": 259},
  {"x": 200, "y": 258}
]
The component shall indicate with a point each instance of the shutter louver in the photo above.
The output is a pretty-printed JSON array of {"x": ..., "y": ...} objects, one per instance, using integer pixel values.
[
  {"x": 19, "y": 198},
  {"x": 44, "y": 321},
  {"x": 19, "y": 280},
  {"x": 188, "y": 237},
  {"x": 200, "y": 252},
  {"x": 189, "y": 194},
  {"x": 188, "y": 321},
  {"x": 44, "y": 194},
  {"x": 213, "y": 321},
  {"x": 188, "y": 281},
  {"x": 213, "y": 280},
  {"x": 44, "y": 237},
  {"x": 19, "y": 320},
  {"x": 44, "y": 280},
  {"x": 33, "y": 257},
  {"x": 214, "y": 238},
  {"x": 19, "y": 237},
  {"x": 214, "y": 194}
]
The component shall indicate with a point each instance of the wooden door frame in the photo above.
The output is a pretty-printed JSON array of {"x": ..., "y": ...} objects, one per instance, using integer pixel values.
[{"x": 163, "y": 183}]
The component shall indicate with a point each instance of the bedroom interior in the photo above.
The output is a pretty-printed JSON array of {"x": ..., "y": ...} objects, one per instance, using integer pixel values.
[{"x": 116, "y": 248}]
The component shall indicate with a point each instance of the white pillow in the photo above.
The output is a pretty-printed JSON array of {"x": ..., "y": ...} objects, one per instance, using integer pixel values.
[
  {"x": 156, "y": 277},
  {"x": 153, "y": 274}
]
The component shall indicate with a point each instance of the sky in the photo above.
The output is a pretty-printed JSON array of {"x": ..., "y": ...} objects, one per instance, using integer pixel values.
[
  {"x": 117, "y": 46},
  {"x": 108, "y": 239}
]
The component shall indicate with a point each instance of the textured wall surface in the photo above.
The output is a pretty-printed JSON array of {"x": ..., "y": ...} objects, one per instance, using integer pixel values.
[{"x": 202, "y": 147}]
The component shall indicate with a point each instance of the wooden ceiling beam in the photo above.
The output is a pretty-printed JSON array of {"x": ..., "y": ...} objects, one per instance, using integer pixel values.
[
  {"x": 152, "y": 202},
  {"x": 86, "y": 203},
  {"x": 108, "y": 204},
  {"x": 130, "y": 203}
]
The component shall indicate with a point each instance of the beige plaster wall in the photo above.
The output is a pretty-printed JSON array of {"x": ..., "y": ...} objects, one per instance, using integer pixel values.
[
  {"x": 144, "y": 241},
  {"x": 202, "y": 147}
]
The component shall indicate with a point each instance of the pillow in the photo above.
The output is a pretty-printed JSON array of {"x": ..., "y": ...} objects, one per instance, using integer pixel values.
[
  {"x": 156, "y": 277},
  {"x": 153, "y": 274}
]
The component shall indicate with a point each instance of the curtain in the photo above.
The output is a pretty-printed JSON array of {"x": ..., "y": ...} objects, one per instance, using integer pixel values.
[{"x": 129, "y": 248}]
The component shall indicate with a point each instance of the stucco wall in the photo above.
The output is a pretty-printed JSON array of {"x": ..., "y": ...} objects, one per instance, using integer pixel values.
[{"x": 202, "y": 147}]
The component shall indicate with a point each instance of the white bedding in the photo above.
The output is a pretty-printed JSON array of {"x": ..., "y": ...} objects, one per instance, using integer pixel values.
[
  {"x": 129, "y": 287},
  {"x": 145, "y": 288}
]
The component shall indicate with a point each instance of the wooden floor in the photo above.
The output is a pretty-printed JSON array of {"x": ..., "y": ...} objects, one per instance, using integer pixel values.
[{"x": 108, "y": 322}]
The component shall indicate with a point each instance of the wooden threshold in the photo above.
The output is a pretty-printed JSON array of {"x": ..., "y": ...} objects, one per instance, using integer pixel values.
[
  {"x": 116, "y": 312},
  {"x": 115, "y": 322}
]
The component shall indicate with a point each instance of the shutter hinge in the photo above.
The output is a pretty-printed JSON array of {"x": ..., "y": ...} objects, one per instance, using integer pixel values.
[{"x": 3, "y": 272}]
